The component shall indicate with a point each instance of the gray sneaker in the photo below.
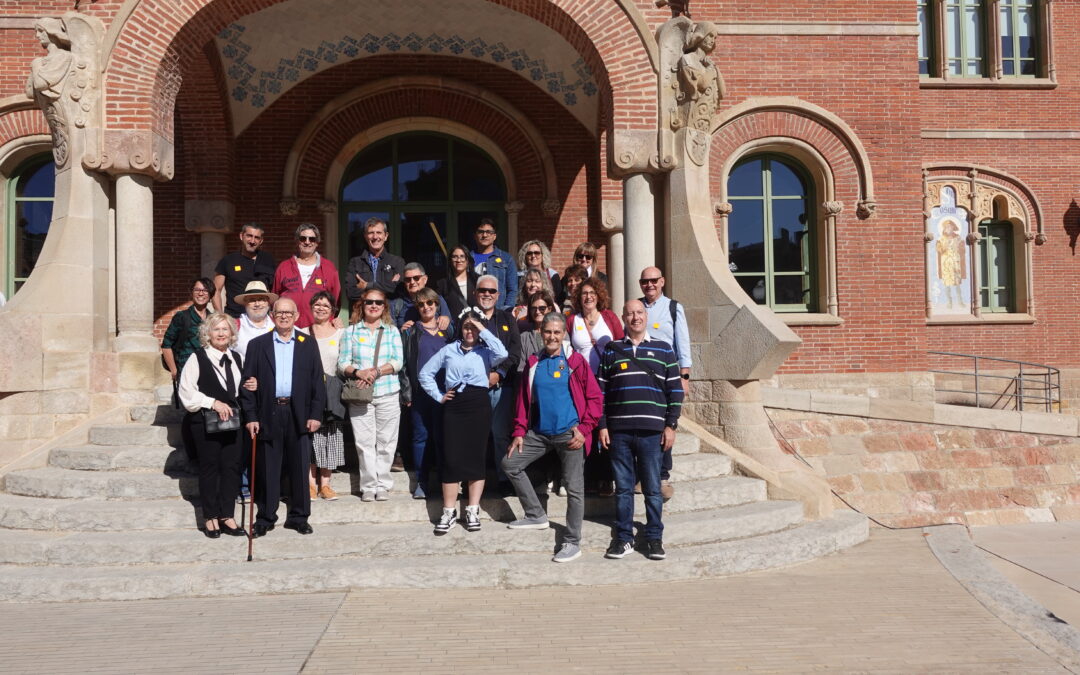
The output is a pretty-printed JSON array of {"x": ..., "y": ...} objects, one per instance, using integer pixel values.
[
  {"x": 381, "y": 495},
  {"x": 540, "y": 523},
  {"x": 367, "y": 496},
  {"x": 567, "y": 553}
]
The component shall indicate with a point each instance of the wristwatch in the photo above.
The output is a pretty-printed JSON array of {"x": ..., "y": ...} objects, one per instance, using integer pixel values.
[
  {"x": 685, "y": 376},
  {"x": 673, "y": 425}
]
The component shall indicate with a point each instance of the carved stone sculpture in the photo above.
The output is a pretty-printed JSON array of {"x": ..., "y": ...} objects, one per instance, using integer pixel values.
[
  {"x": 701, "y": 86},
  {"x": 690, "y": 89},
  {"x": 290, "y": 206},
  {"x": 48, "y": 74}
]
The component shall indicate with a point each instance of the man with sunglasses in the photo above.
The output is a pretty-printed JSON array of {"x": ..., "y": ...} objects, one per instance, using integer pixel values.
[
  {"x": 375, "y": 266},
  {"x": 585, "y": 255},
  {"x": 502, "y": 323},
  {"x": 403, "y": 310},
  {"x": 489, "y": 259},
  {"x": 667, "y": 322}
]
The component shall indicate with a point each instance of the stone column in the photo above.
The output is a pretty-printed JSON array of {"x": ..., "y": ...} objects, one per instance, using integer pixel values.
[
  {"x": 639, "y": 249},
  {"x": 211, "y": 219},
  {"x": 135, "y": 263},
  {"x": 611, "y": 220},
  {"x": 512, "y": 210}
]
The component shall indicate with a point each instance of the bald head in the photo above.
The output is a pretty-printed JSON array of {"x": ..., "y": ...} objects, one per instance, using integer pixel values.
[
  {"x": 635, "y": 318},
  {"x": 652, "y": 283},
  {"x": 284, "y": 316}
]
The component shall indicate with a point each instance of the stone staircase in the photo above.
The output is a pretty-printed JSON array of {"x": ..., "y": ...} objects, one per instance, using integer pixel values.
[{"x": 116, "y": 519}]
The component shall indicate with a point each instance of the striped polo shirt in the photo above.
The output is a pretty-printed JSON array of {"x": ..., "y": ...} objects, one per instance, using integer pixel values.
[{"x": 645, "y": 398}]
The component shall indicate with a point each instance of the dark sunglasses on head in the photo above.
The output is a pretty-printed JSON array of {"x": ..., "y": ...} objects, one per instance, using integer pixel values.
[
  {"x": 653, "y": 280},
  {"x": 308, "y": 240},
  {"x": 487, "y": 290},
  {"x": 378, "y": 303}
]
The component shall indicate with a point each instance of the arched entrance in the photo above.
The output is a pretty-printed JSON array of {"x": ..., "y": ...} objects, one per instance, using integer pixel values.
[{"x": 432, "y": 190}]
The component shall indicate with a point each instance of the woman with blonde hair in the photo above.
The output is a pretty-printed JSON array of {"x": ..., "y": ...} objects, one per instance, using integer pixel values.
[
  {"x": 209, "y": 384},
  {"x": 371, "y": 354},
  {"x": 534, "y": 254}
]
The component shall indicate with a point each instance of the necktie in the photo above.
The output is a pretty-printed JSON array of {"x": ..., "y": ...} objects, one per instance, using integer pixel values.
[{"x": 230, "y": 383}]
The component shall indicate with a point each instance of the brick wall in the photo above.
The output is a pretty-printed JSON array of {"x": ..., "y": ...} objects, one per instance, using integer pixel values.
[{"x": 907, "y": 474}]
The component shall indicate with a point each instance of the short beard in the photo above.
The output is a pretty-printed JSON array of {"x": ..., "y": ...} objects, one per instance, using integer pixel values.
[{"x": 255, "y": 318}]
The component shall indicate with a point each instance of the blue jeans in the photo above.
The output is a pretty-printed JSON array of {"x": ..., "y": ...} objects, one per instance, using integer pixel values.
[
  {"x": 637, "y": 453},
  {"x": 426, "y": 420}
]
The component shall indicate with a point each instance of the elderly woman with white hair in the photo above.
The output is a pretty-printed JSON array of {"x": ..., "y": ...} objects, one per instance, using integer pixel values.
[{"x": 209, "y": 384}]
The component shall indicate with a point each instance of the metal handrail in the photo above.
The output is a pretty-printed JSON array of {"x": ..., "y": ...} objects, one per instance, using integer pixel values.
[{"x": 1045, "y": 380}]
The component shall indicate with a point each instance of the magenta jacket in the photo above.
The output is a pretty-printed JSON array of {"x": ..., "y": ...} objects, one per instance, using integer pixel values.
[{"x": 588, "y": 399}]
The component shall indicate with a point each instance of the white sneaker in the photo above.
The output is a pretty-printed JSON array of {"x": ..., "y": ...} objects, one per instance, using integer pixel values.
[
  {"x": 446, "y": 521},
  {"x": 472, "y": 518}
]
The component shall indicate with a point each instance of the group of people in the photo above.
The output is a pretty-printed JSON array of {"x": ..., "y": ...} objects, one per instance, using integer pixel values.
[{"x": 502, "y": 364}]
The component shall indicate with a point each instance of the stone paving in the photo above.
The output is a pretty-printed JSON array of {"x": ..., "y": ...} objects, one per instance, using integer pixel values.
[{"x": 886, "y": 606}]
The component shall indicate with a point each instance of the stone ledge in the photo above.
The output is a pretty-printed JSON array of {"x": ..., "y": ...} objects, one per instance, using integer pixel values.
[{"x": 1051, "y": 424}]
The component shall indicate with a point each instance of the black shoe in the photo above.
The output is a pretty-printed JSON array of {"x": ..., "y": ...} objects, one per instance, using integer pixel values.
[
  {"x": 654, "y": 550},
  {"x": 212, "y": 534},
  {"x": 232, "y": 531},
  {"x": 618, "y": 549},
  {"x": 302, "y": 528},
  {"x": 261, "y": 529}
]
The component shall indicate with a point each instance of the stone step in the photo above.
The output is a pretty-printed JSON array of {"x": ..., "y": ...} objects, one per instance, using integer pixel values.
[
  {"x": 158, "y": 415},
  {"x": 371, "y": 540},
  {"x": 54, "y": 483},
  {"x": 36, "y": 583},
  {"x": 101, "y": 514},
  {"x": 121, "y": 458},
  {"x": 133, "y": 434}
]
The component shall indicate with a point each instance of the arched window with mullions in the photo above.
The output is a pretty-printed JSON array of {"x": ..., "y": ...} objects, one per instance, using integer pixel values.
[
  {"x": 30, "y": 191},
  {"x": 428, "y": 187},
  {"x": 771, "y": 232}
]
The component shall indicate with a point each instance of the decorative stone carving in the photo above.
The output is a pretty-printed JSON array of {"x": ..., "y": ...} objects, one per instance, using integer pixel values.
[
  {"x": 127, "y": 152},
  {"x": 326, "y": 206},
  {"x": 833, "y": 209},
  {"x": 973, "y": 238},
  {"x": 290, "y": 206},
  {"x": 690, "y": 89},
  {"x": 1040, "y": 239},
  {"x": 928, "y": 236},
  {"x": 515, "y": 207},
  {"x": 207, "y": 215},
  {"x": 678, "y": 7},
  {"x": 65, "y": 82},
  {"x": 550, "y": 207},
  {"x": 633, "y": 151},
  {"x": 723, "y": 208},
  {"x": 866, "y": 208},
  {"x": 611, "y": 215},
  {"x": 1029, "y": 237}
]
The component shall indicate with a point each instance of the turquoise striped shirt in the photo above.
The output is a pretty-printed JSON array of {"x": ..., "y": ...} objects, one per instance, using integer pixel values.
[{"x": 358, "y": 350}]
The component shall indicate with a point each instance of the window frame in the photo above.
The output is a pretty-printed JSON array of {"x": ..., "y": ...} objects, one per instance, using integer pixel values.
[
  {"x": 993, "y": 75},
  {"x": 810, "y": 255},
  {"x": 988, "y": 280},
  {"x": 11, "y": 204}
]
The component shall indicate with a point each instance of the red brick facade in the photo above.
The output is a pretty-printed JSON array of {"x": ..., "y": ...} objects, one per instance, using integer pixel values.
[{"x": 867, "y": 81}]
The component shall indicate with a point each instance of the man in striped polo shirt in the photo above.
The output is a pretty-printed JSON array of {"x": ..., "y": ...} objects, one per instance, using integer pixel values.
[{"x": 642, "y": 401}]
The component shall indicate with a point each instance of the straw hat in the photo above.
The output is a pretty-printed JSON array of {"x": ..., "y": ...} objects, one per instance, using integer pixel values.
[{"x": 255, "y": 289}]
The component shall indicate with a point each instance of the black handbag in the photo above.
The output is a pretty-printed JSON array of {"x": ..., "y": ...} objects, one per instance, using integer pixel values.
[{"x": 215, "y": 425}]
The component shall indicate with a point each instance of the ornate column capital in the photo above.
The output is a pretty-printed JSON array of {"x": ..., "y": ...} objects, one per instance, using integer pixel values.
[
  {"x": 290, "y": 206},
  {"x": 866, "y": 208},
  {"x": 515, "y": 207},
  {"x": 208, "y": 215},
  {"x": 833, "y": 209},
  {"x": 127, "y": 152},
  {"x": 611, "y": 215},
  {"x": 326, "y": 206},
  {"x": 722, "y": 208},
  {"x": 550, "y": 207},
  {"x": 633, "y": 151}
]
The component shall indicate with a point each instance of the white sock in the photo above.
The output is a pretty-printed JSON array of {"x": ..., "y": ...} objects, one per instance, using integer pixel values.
[{"x": 475, "y": 508}]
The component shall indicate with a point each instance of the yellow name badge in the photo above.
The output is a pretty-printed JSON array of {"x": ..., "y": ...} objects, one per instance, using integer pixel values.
[
  {"x": 363, "y": 339},
  {"x": 580, "y": 327},
  {"x": 498, "y": 259},
  {"x": 440, "y": 335},
  {"x": 506, "y": 328},
  {"x": 557, "y": 374},
  {"x": 333, "y": 342},
  {"x": 622, "y": 366},
  {"x": 318, "y": 282},
  {"x": 300, "y": 338},
  {"x": 237, "y": 268},
  {"x": 656, "y": 325}
]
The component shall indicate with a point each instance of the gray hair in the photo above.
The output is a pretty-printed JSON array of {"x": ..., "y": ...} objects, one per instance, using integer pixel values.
[
  {"x": 554, "y": 317},
  {"x": 211, "y": 322},
  {"x": 375, "y": 220},
  {"x": 485, "y": 277},
  {"x": 414, "y": 267},
  {"x": 307, "y": 226}
]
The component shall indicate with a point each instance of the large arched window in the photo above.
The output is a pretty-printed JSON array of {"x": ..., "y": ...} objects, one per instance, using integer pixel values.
[
  {"x": 29, "y": 213},
  {"x": 771, "y": 232},
  {"x": 429, "y": 188}
]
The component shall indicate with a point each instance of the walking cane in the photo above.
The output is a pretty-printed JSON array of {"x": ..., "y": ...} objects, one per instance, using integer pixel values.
[{"x": 251, "y": 506}]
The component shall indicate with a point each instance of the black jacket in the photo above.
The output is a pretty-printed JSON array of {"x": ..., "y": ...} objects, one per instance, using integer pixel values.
[
  {"x": 390, "y": 266},
  {"x": 410, "y": 345},
  {"x": 503, "y": 324},
  {"x": 451, "y": 292},
  {"x": 308, "y": 392}
]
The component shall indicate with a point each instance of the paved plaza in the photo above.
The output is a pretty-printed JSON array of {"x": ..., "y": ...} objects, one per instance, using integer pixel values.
[{"x": 885, "y": 606}]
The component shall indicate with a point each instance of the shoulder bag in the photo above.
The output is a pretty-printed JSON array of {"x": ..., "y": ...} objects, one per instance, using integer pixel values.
[{"x": 354, "y": 392}]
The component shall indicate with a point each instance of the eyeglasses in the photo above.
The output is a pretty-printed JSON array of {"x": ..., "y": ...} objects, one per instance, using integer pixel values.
[
  {"x": 199, "y": 290},
  {"x": 532, "y": 253},
  {"x": 284, "y": 314},
  {"x": 488, "y": 291},
  {"x": 308, "y": 240},
  {"x": 649, "y": 282},
  {"x": 427, "y": 303},
  {"x": 539, "y": 308},
  {"x": 588, "y": 294},
  {"x": 322, "y": 305},
  {"x": 377, "y": 303},
  {"x": 458, "y": 257},
  {"x": 412, "y": 280},
  {"x": 485, "y": 233},
  {"x": 583, "y": 256}
]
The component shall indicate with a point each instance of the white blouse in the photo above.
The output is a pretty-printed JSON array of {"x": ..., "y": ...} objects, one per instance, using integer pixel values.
[
  {"x": 580, "y": 335},
  {"x": 191, "y": 398}
]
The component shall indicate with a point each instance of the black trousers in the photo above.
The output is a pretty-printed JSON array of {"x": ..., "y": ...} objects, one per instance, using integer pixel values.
[
  {"x": 220, "y": 458},
  {"x": 282, "y": 452}
]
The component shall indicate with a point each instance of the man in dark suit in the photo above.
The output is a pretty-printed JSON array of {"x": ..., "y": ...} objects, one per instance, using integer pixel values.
[
  {"x": 284, "y": 410},
  {"x": 376, "y": 266}
]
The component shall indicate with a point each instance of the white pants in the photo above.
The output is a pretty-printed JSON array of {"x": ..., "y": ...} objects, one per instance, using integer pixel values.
[{"x": 375, "y": 427}]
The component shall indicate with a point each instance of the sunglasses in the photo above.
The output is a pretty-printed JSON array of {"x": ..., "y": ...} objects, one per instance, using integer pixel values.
[
  {"x": 487, "y": 291},
  {"x": 540, "y": 308},
  {"x": 308, "y": 240},
  {"x": 376, "y": 303},
  {"x": 583, "y": 256},
  {"x": 428, "y": 303},
  {"x": 649, "y": 282},
  {"x": 534, "y": 253},
  {"x": 416, "y": 279}
]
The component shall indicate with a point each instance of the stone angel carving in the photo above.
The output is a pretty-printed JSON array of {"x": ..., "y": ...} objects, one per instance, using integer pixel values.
[{"x": 701, "y": 85}]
